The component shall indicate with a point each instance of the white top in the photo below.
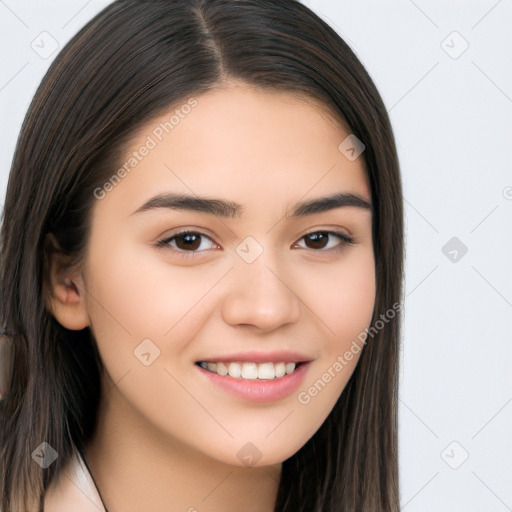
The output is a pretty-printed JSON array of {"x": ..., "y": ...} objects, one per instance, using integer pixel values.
[{"x": 74, "y": 490}]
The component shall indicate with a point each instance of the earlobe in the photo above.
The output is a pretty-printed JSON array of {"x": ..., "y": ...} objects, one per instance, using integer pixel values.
[{"x": 64, "y": 290}]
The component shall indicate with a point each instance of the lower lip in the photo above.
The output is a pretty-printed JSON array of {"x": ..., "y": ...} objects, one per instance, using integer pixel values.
[{"x": 259, "y": 390}]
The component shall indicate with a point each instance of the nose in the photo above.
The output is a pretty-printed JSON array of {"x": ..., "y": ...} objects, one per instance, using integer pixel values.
[{"x": 260, "y": 294}]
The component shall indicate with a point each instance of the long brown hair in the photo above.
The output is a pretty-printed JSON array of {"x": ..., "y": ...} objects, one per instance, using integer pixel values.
[{"x": 131, "y": 62}]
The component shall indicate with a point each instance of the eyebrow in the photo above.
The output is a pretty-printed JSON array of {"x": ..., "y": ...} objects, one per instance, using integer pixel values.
[{"x": 230, "y": 209}]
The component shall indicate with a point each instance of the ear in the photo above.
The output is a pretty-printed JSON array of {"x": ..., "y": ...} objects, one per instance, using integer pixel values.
[{"x": 63, "y": 287}]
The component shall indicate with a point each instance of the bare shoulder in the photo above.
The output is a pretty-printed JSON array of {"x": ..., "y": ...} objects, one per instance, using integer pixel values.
[{"x": 73, "y": 490}]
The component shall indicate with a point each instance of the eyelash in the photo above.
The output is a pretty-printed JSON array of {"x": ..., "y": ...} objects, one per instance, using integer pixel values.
[{"x": 164, "y": 243}]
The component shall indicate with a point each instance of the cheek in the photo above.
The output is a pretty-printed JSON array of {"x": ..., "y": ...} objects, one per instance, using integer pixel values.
[
  {"x": 341, "y": 296},
  {"x": 138, "y": 293}
]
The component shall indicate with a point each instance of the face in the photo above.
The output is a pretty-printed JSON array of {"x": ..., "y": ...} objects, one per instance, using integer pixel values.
[{"x": 169, "y": 286}]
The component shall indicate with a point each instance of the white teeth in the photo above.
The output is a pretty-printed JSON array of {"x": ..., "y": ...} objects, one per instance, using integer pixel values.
[
  {"x": 222, "y": 369},
  {"x": 280, "y": 369},
  {"x": 234, "y": 370},
  {"x": 251, "y": 371},
  {"x": 290, "y": 367},
  {"x": 266, "y": 371}
]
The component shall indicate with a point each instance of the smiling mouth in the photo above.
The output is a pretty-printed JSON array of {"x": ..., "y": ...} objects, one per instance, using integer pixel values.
[{"x": 250, "y": 371}]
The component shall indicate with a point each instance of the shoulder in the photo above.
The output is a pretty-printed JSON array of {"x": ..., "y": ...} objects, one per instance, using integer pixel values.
[{"x": 74, "y": 490}]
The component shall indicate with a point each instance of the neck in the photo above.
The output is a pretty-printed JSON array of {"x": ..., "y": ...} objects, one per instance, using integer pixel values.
[{"x": 138, "y": 467}]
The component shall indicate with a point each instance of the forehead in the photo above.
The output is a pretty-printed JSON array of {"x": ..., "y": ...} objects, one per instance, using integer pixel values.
[{"x": 242, "y": 143}]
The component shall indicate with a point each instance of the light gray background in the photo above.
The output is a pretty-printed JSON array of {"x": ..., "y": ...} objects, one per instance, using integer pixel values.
[{"x": 452, "y": 116}]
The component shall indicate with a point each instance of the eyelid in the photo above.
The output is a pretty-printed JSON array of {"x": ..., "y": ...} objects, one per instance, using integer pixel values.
[{"x": 334, "y": 230}]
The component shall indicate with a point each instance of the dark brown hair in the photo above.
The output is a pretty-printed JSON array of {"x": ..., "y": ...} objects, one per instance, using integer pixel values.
[{"x": 131, "y": 62}]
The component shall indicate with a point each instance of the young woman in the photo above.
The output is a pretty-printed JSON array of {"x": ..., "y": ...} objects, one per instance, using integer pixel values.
[{"x": 201, "y": 270}]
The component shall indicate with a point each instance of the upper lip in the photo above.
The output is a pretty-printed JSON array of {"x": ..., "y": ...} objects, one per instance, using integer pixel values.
[{"x": 277, "y": 356}]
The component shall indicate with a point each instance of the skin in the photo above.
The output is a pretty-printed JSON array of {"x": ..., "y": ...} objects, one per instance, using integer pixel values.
[{"x": 166, "y": 440}]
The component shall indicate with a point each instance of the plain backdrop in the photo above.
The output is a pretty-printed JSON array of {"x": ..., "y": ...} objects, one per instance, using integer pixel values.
[{"x": 444, "y": 73}]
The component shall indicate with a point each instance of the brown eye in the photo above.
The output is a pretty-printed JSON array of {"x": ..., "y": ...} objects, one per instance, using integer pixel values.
[
  {"x": 319, "y": 240},
  {"x": 186, "y": 243}
]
